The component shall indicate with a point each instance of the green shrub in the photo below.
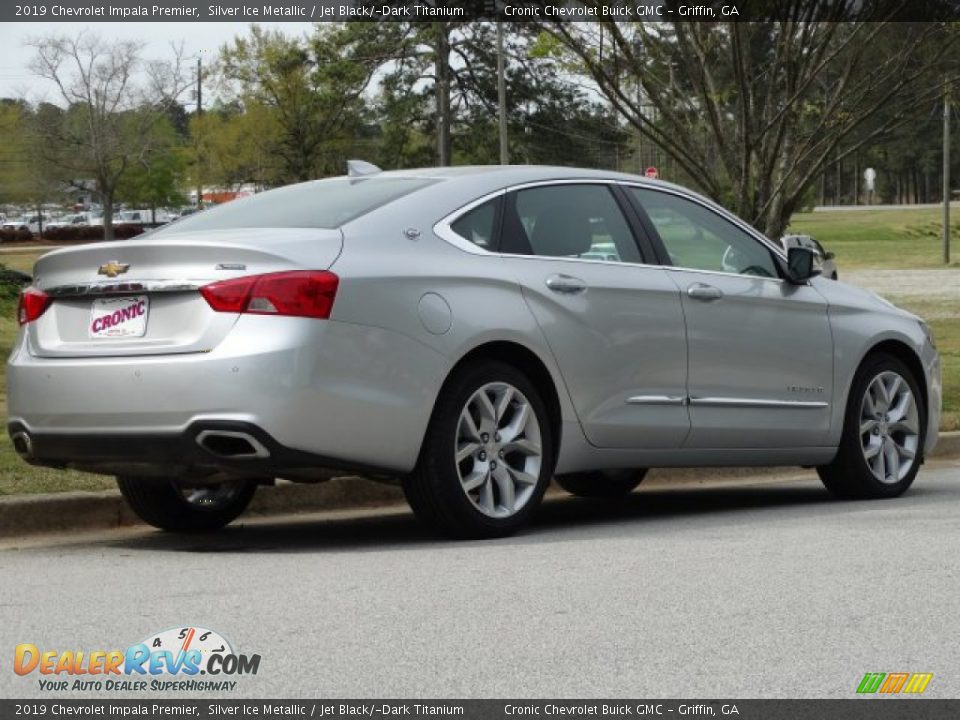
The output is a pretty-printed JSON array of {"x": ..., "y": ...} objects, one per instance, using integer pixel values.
[
  {"x": 11, "y": 281},
  {"x": 89, "y": 233},
  {"x": 71, "y": 233},
  {"x": 15, "y": 235}
]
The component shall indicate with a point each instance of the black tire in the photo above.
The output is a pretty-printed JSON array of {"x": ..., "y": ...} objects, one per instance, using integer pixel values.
[
  {"x": 434, "y": 488},
  {"x": 849, "y": 476},
  {"x": 159, "y": 502},
  {"x": 606, "y": 484}
]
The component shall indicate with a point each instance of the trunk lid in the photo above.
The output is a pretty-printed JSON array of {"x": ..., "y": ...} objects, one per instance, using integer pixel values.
[{"x": 140, "y": 296}]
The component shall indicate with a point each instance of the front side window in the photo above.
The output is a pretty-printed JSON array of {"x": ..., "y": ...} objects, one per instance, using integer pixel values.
[
  {"x": 699, "y": 239},
  {"x": 570, "y": 221}
]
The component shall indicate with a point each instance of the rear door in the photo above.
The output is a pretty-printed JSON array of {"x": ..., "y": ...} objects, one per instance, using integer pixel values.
[{"x": 614, "y": 323}]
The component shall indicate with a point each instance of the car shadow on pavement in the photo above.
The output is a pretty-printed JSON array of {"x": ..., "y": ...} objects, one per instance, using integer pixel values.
[{"x": 562, "y": 518}]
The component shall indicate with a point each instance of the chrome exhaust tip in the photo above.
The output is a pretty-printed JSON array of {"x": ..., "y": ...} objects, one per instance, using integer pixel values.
[
  {"x": 232, "y": 445},
  {"x": 23, "y": 445}
]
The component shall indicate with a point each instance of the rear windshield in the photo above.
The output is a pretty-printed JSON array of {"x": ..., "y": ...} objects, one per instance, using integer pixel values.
[{"x": 319, "y": 204}]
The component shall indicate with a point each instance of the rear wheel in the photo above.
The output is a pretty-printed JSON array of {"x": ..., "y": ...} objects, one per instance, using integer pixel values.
[
  {"x": 884, "y": 428},
  {"x": 171, "y": 504},
  {"x": 609, "y": 484},
  {"x": 487, "y": 456}
]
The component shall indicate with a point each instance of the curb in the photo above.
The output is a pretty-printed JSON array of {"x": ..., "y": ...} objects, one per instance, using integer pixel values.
[{"x": 72, "y": 511}]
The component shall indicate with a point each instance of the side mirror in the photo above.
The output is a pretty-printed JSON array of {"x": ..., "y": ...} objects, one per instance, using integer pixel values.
[
  {"x": 800, "y": 265},
  {"x": 829, "y": 255}
]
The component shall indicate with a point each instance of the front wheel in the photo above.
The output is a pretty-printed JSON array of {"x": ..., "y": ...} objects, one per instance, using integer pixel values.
[
  {"x": 883, "y": 433},
  {"x": 179, "y": 506},
  {"x": 606, "y": 484},
  {"x": 487, "y": 456}
]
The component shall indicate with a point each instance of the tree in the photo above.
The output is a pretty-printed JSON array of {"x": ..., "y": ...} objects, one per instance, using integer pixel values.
[
  {"x": 232, "y": 146},
  {"x": 309, "y": 89},
  {"x": 443, "y": 83},
  {"x": 26, "y": 176},
  {"x": 154, "y": 180},
  {"x": 754, "y": 112},
  {"x": 110, "y": 110}
]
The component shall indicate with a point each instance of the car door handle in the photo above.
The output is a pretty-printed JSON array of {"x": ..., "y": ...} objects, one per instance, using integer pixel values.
[
  {"x": 705, "y": 293},
  {"x": 566, "y": 284}
]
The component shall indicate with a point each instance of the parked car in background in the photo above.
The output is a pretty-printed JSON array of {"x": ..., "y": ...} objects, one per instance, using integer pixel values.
[
  {"x": 142, "y": 217},
  {"x": 470, "y": 332},
  {"x": 28, "y": 223},
  {"x": 71, "y": 220},
  {"x": 824, "y": 259}
]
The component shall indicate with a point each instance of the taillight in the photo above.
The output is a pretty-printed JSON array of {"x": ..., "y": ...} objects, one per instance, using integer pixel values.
[
  {"x": 299, "y": 293},
  {"x": 33, "y": 303}
]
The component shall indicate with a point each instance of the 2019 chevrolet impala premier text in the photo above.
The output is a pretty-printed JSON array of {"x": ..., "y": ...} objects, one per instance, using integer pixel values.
[{"x": 473, "y": 331}]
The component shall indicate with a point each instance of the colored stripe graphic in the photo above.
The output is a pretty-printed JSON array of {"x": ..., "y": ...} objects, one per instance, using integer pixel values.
[
  {"x": 893, "y": 683},
  {"x": 918, "y": 682},
  {"x": 871, "y": 682}
]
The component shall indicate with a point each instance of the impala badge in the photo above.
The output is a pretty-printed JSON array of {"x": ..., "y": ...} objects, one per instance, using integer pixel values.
[{"x": 113, "y": 268}]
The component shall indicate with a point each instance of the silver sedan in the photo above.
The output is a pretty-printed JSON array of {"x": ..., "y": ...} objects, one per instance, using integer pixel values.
[{"x": 472, "y": 332}]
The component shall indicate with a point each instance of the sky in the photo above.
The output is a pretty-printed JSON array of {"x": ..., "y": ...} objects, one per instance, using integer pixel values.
[{"x": 205, "y": 38}]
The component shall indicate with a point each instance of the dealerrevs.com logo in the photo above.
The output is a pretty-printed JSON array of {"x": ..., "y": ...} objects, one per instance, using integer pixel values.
[{"x": 178, "y": 659}]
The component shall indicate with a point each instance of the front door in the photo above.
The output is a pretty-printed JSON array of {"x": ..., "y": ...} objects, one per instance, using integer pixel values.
[{"x": 760, "y": 348}]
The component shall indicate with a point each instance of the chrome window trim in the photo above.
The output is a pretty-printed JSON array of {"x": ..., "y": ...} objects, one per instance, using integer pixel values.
[
  {"x": 591, "y": 261},
  {"x": 443, "y": 229},
  {"x": 95, "y": 289},
  {"x": 756, "y": 403},
  {"x": 674, "y": 268}
]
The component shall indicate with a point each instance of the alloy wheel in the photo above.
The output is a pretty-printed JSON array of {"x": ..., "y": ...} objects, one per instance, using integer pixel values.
[
  {"x": 498, "y": 450},
  {"x": 889, "y": 427}
]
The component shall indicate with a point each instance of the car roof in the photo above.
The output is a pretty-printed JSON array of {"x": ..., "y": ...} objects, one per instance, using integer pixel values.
[
  {"x": 510, "y": 174},
  {"x": 459, "y": 185}
]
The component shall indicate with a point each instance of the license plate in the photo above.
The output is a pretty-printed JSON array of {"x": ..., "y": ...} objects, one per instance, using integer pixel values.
[{"x": 122, "y": 317}]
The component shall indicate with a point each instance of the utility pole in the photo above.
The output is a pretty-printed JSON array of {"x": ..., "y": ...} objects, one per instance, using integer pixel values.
[
  {"x": 946, "y": 173},
  {"x": 442, "y": 92},
  {"x": 502, "y": 97},
  {"x": 199, "y": 113}
]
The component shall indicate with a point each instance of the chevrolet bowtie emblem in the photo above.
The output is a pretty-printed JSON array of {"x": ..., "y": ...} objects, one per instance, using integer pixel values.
[{"x": 113, "y": 268}]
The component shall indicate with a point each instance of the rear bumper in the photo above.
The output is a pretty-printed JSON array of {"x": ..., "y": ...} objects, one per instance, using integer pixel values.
[
  {"x": 253, "y": 452},
  {"x": 346, "y": 395}
]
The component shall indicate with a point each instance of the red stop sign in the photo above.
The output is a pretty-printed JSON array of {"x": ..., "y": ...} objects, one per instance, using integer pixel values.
[{"x": 652, "y": 172}]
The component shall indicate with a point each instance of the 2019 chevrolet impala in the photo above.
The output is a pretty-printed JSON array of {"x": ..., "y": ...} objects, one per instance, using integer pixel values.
[{"x": 474, "y": 331}]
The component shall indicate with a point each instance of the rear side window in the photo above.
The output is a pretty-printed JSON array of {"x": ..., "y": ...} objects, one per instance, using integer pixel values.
[
  {"x": 319, "y": 204},
  {"x": 573, "y": 221},
  {"x": 479, "y": 226}
]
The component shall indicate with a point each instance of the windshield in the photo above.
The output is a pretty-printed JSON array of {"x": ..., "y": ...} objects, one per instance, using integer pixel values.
[{"x": 318, "y": 204}]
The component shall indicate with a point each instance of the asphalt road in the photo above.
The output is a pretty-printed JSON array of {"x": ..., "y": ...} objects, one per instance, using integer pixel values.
[{"x": 741, "y": 590}]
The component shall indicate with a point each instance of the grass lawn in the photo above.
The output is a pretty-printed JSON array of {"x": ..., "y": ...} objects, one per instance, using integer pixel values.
[
  {"x": 882, "y": 238},
  {"x": 861, "y": 239},
  {"x": 16, "y": 477},
  {"x": 946, "y": 333},
  {"x": 22, "y": 261}
]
